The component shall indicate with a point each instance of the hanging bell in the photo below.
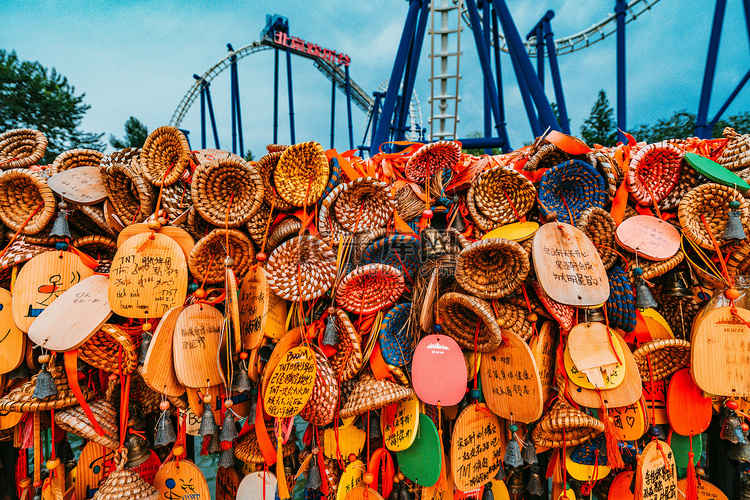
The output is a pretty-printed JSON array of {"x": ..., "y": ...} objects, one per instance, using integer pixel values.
[
  {"x": 226, "y": 459},
  {"x": 731, "y": 430},
  {"x": 643, "y": 297},
  {"x": 228, "y": 429},
  {"x": 330, "y": 336},
  {"x": 145, "y": 342},
  {"x": 734, "y": 229},
  {"x": 241, "y": 380},
  {"x": 375, "y": 427},
  {"x": 432, "y": 244},
  {"x": 393, "y": 495},
  {"x": 214, "y": 446},
  {"x": 487, "y": 492},
  {"x": 515, "y": 483},
  {"x": 676, "y": 284},
  {"x": 513, "y": 453},
  {"x": 45, "y": 384},
  {"x": 164, "y": 430},
  {"x": 208, "y": 425},
  {"x": 404, "y": 493},
  {"x": 458, "y": 222},
  {"x": 19, "y": 373},
  {"x": 60, "y": 227},
  {"x": 534, "y": 486},
  {"x": 500, "y": 476},
  {"x": 138, "y": 450},
  {"x": 313, "y": 475},
  {"x": 528, "y": 453},
  {"x": 740, "y": 452},
  {"x": 594, "y": 315}
]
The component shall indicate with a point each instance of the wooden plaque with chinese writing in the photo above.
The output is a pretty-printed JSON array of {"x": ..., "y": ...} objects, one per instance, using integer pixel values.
[
  {"x": 655, "y": 396},
  {"x": 74, "y": 316},
  {"x": 12, "y": 339},
  {"x": 179, "y": 235},
  {"x": 259, "y": 485},
  {"x": 43, "y": 279},
  {"x": 706, "y": 490},
  {"x": 630, "y": 422},
  {"x": 650, "y": 237},
  {"x": 179, "y": 479},
  {"x": 477, "y": 447},
  {"x": 94, "y": 463},
  {"x": 290, "y": 339},
  {"x": 656, "y": 475},
  {"x": 158, "y": 368},
  {"x": 196, "y": 342},
  {"x": 253, "y": 307},
  {"x": 227, "y": 483},
  {"x": 421, "y": 461},
  {"x": 542, "y": 347},
  {"x": 722, "y": 340},
  {"x": 443, "y": 489},
  {"x": 81, "y": 185},
  {"x": 351, "y": 478},
  {"x": 510, "y": 381},
  {"x": 148, "y": 277},
  {"x": 232, "y": 310},
  {"x": 568, "y": 266},
  {"x": 688, "y": 410},
  {"x": 439, "y": 354},
  {"x": 399, "y": 423},
  {"x": 291, "y": 383}
]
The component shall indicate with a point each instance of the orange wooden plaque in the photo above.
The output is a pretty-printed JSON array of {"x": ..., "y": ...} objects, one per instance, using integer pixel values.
[{"x": 477, "y": 447}]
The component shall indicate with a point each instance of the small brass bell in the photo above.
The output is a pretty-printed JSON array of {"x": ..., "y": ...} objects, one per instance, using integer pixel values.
[
  {"x": 676, "y": 285},
  {"x": 731, "y": 430},
  {"x": 643, "y": 297},
  {"x": 60, "y": 227},
  {"x": 138, "y": 451},
  {"x": 744, "y": 487},
  {"x": 734, "y": 229},
  {"x": 515, "y": 483},
  {"x": 534, "y": 486},
  {"x": 740, "y": 452},
  {"x": 432, "y": 244},
  {"x": 594, "y": 315},
  {"x": 487, "y": 492}
]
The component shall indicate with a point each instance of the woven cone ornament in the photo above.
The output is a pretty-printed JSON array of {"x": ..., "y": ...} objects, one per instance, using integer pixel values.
[
  {"x": 372, "y": 394},
  {"x": 125, "y": 484}
]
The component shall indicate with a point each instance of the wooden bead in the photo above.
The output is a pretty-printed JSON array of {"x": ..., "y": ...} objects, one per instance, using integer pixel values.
[
  {"x": 260, "y": 256},
  {"x": 164, "y": 405},
  {"x": 146, "y": 327},
  {"x": 53, "y": 464},
  {"x": 200, "y": 293},
  {"x": 228, "y": 403},
  {"x": 178, "y": 450},
  {"x": 207, "y": 399},
  {"x": 162, "y": 221},
  {"x": 732, "y": 404},
  {"x": 531, "y": 317},
  {"x": 732, "y": 294},
  {"x": 244, "y": 355},
  {"x": 44, "y": 358},
  {"x": 153, "y": 225},
  {"x": 25, "y": 482},
  {"x": 352, "y": 457},
  {"x": 368, "y": 478}
]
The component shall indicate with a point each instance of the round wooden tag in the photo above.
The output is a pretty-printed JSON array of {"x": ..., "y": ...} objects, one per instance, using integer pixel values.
[
  {"x": 649, "y": 237},
  {"x": 178, "y": 477},
  {"x": 12, "y": 339},
  {"x": 510, "y": 381},
  {"x": 477, "y": 447},
  {"x": 716, "y": 172},
  {"x": 196, "y": 346},
  {"x": 689, "y": 412},
  {"x": 57, "y": 329},
  {"x": 291, "y": 383},
  {"x": 290, "y": 339},
  {"x": 653, "y": 475},
  {"x": 158, "y": 368},
  {"x": 629, "y": 421},
  {"x": 655, "y": 396},
  {"x": 41, "y": 281},
  {"x": 421, "y": 462},
  {"x": 275, "y": 326},
  {"x": 9, "y": 419},
  {"x": 399, "y": 423},
  {"x": 568, "y": 266},
  {"x": 439, "y": 354},
  {"x": 94, "y": 463},
  {"x": 179, "y": 235},
  {"x": 227, "y": 483},
  {"x": 517, "y": 231},
  {"x": 681, "y": 449},
  {"x": 259, "y": 485},
  {"x": 656, "y": 324},
  {"x": 148, "y": 277},
  {"x": 81, "y": 185},
  {"x": 350, "y": 479},
  {"x": 706, "y": 490},
  {"x": 253, "y": 307},
  {"x": 195, "y": 401},
  {"x": 620, "y": 487},
  {"x": 542, "y": 347},
  {"x": 350, "y": 440}
]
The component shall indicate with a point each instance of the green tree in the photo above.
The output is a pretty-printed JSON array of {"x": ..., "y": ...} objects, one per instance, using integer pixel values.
[
  {"x": 478, "y": 151},
  {"x": 600, "y": 127},
  {"x": 682, "y": 124},
  {"x": 135, "y": 135},
  {"x": 249, "y": 155},
  {"x": 33, "y": 97}
]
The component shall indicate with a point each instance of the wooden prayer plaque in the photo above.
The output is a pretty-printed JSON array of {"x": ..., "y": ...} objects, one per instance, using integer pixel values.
[
  {"x": 257, "y": 486},
  {"x": 177, "y": 477},
  {"x": 399, "y": 423},
  {"x": 477, "y": 447},
  {"x": 439, "y": 354},
  {"x": 81, "y": 185},
  {"x": 196, "y": 342},
  {"x": 158, "y": 368},
  {"x": 688, "y": 410},
  {"x": 650, "y": 237},
  {"x": 179, "y": 235},
  {"x": 253, "y": 307},
  {"x": 656, "y": 475},
  {"x": 291, "y": 383},
  {"x": 12, "y": 339}
]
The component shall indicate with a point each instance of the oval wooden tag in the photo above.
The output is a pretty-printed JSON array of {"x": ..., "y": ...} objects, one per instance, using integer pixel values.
[
  {"x": 655, "y": 396},
  {"x": 178, "y": 478},
  {"x": 227, "y": 483},
  {"x": 94, "y": 464},
  {"x": 568, "y": 266},
  {"x": 197, "y": 332},
  {"x": 629, "y": 421},
  {"x": 510, "y": 381},
  {"x": 620, "y": 487},
  {"x": 443, "y": 489},
  {"x": 253, "y": 307},
  {"x": 179, "y": 235},
  {"x": 158, "y": 368},
  {"x": 232, "y": 310},
  {"x": 291, "y": 339},
  {"x": 516, "y": 231},
  {"x": 656, "y": 324},
  {"x": 259, "y": 485},
  {"x": 195, "y": 401},
  {"x": 12, "y": 338},
  {"x": 399, "y": 423},
  {"x": 706, "y": 490},
  {"x": 654, "y": 477},
  {"x": 649, "y": 237},
  {"x": 74, "y": 317},
  {"x": 350, "y": 479},
  {"x": 41, "y": 281},
  {"x": 350, "y": 440},
  {"x": 477, "y": 447},
  {"x": 542, "y": 347},
  {"x": 291, "y": 383},
  {"x": 275, "y": 327},
  {"x": 363, "y": 493},
  {"x": 721, "y": 340},
  {"x": 689, "y": 412},
  {"x": 715, "y": 171},
  {"x": 148, "y": 277},
  {"x": 596, "y": 365},
  {"x": 439, "y": 354},
  {"x": 81, "y": 185},
  {"x": 581, "y": 471},
  {"x": 422, "y": 460}
]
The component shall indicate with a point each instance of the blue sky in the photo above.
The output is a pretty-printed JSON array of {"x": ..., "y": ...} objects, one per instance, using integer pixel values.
[{"x": 138, "y": 57}]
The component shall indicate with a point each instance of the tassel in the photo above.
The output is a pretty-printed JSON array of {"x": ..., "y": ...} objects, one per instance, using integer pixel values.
[
  {"x": 241, "y": 380},
  {"x": 45, "y": 384},
  {"x": 691, "y": 483},
  {"x": 487, "y": 494},
  {"x": 513, "y": 453},
  {"x": 534, "y": 486},
  {"x": 313, "y": 475},
  {"x": 208, "y": 422},
  {"x": 280, "y": 475},
  {"x": 228, "y": 431},
  {"x": 614, "y": 457},
  {"x": 331, "y": 336},
  {"x": 226, "y": 459},
  {"x": 164, "y": 430},
  {"x": 205, "y": 445},
  {"x": 145, "y": 342},
  {"x": 529, "y": 451}
]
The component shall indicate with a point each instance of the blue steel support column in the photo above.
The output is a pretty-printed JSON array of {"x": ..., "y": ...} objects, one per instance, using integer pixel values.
[
  {"x": 211, "y": 115},
  {"x": 518, "y": 51},
  {"x": 554, "y": 70},
  {"x": 710, "y": 125},
  {"x": 501, "y": 129},
  {"x": 276, "y": 96},
  {"x": 333, "y": 109},
  {"x": 235, "y": 75},
  {"x": 290, "y": 92},
  {"x": 622, "y": 115},
  {"x": 540, "y": 54},
  {"x": 486, "y": 13},
  {"x": 203, "y": 111},
  {"x": 381, "y": 127},
  {"x": 376, "y": 114},
  {"x": 701, "y": 129},
  {"x": 232, "y": 69},
  {"x": 536, "y": 127},
  {"x": 411, "y": 70},
  {"x": 349, "y": 106}
]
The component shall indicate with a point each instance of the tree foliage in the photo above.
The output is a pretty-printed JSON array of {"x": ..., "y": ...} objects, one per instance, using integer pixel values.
[
  {"x": 136, "y": 134},
  {"x": 33, "y": 97},
  {"x": 600, "y": 126},
  {"x": 682, "y": 124}
]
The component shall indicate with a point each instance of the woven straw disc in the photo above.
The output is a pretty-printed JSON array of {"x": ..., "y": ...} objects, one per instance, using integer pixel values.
[
  {"x": 265, "y": 167},
  {"x": 122, "y": 157},
  {"x": 196, "y": 225},
  {"x": 102, "y": 350},
  {"x": 22, "y": 399},
  {"x": 21, "y": 148},
  {"x": 371, "y": 394},
  {"x": 570, "y": 188},
  {"x": 408, "y": 205},
  {"x": 666, "y": 356},
  {"x": 227, "y": 192},
  {"x": 165, "y": 156},
  {"x": 712, "y": 201},
  {"x": 288, "y": 227},
  {"x": 204, "y": 155},
  {"x": 689, "y": 178},
  {"x": 213, "y": 246},
  {"x": 99, "y": 247},
  {"x": 74, "y": 420},
  {"x": 492, "y": 268},
  {"x": 654, "y": 172},
  {"x": 321, "y": 407},
  {"x": 479, "y": 219},
  {"x": 370, "y": 288},
  {"x": 256, "y": 226},
  {"x": 512, "y": 318},
  {"x": 431, "y": 158},
  {"x": 347, "y": 361},
  {"x": 678, "y": 311},
  {"x": 249, "y": 452},
  {"x": 21, "y": 193},
  {"x": 563, "y": 425},
  {"x": 75, "y": 158},
  {"x": 302, "y": 169},
  {"x": 364, "y": 203},
  {"x": 462, "y": 315},
  {"x": 736, "y": 154},
  {"x": 600, "y": 227},
  {"x": 329, "y": 227},
  {"x": 302, "y": 268},
  {"x": 503, "y": 194},
  {"x": 176, "y": 199},
  {"x": 131, "y": 196},
  {"x": 652, "y": 269},
  {"x": 272, "y": 148}
]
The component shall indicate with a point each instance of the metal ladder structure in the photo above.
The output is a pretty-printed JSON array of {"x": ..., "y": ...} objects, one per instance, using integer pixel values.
[{"x": 445, "y": 57}]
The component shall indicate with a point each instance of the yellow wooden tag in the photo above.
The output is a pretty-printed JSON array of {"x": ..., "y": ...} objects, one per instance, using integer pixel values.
[
  {"x": 657, "y": 325},
  {"x": 542, "y": 347},
  {"x": 291, "y": 383},
  {"x": 276, "y": 317},
  {"x": 94, "y": 463},
  {"x": 583, "y": 472},
  {"x": 350, "y": 440},
  {"x": 197, "y": 333},
  {"x": 232, "y": 309},
  {"x": 401, "y": 431},
  {"x": 158, "y": 368},
  {"x": 179, "y": 235},
  {"x": 350, "y": 479},
  {"x": 630, "y": 421},
  {"x": 517, "y": 231},
  {"x": 148, "y": 277},
  {"x": 181, "y": 479},
  {"x": 656, "y": 472},
  {"x": 477, "y": 447},
  {"x": 253, "y": 307},
  {"x": 12, "y": 338},
  {"x": 473, "y": 362},
  {"x": 363, "y": 493},
  {"x": 443, "y": 489},
  {"x": 9, "y": 419},
  {"x": 500, "y": 490},
  {"x": 43, "y": 279},
  {"x": 615, "y": 377}
]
